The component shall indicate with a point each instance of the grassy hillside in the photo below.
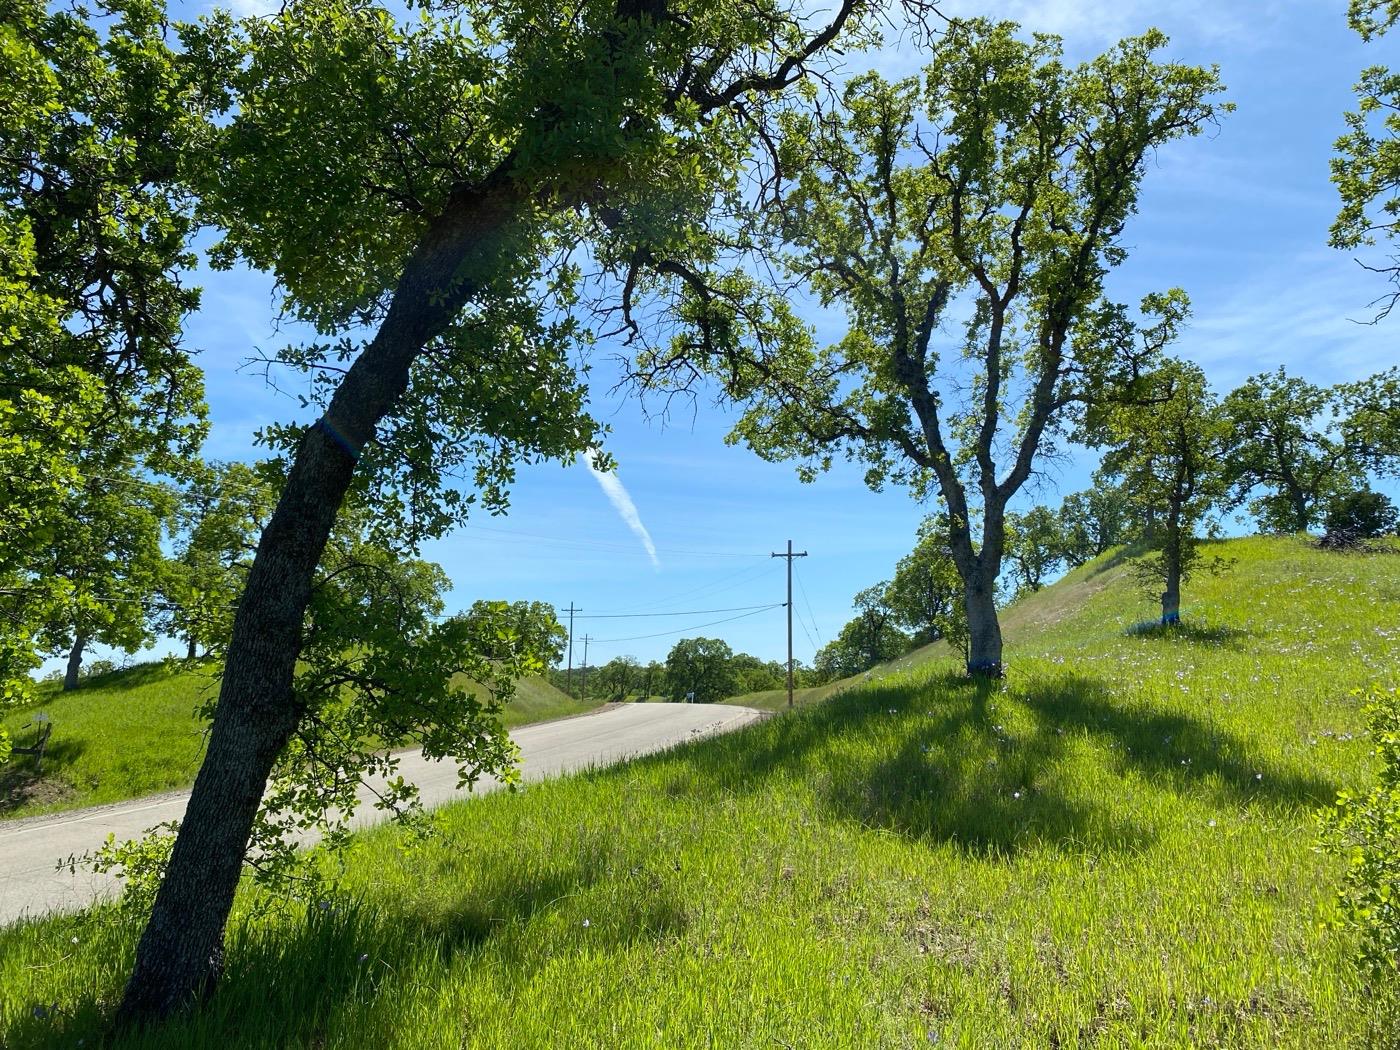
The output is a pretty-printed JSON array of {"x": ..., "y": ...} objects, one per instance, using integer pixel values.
[
  {"x": 132, "y": 733},
  {"x": 1112, "y": 848}
]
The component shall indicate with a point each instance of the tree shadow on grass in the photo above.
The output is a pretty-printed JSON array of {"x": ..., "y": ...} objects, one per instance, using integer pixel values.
[
  {"x": 1190, "y": 631},
  {"x": 1173, "y": 748},
  {"x": 957, "y": 776},
  {"x": 308, "y": 979},
  {"x": 928, "y": 760}
]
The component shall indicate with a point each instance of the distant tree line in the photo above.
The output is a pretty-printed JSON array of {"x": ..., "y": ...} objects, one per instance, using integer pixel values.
[{"x": 702, "y": 669}]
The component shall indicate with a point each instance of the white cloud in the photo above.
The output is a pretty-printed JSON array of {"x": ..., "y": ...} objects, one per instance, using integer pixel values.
[
  {"x": 622, "y": 503},
  {"x": 1306, "y": 312}
]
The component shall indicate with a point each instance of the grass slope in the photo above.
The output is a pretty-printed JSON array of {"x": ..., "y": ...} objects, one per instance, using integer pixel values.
[
  {"x": 1112, "y": 848},
  {"x": 132, "y": 733}
]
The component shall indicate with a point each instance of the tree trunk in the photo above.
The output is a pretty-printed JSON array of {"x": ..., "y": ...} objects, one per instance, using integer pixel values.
[
  {"x": 180, "y": 955},
  {"x": 1302, "y": 513},
  {"x": 983, "y": 628},
  {"x": 190, "y": 653},
  {"x": 75, "y": 661},
  {"x": 1171, "y": 595}
]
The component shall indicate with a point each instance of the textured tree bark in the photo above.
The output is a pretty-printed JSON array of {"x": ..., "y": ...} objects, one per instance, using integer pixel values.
[
  {"x": 75, "y": 661},
  {"x": 180, "y": 955},
  {"x": 190, "y": 653},
  {"x": 1171, "y": 557},
  {"x": 983, "y": 628}
]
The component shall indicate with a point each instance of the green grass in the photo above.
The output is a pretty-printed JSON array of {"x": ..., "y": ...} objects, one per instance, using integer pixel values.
[
  {"x": 1112, "y": 848},
  {"x": 134, "y": 732}
]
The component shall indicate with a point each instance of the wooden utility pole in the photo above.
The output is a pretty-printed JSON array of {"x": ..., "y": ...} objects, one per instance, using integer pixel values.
[
  {"x": 569, "y": 675},
  {"x": 584, "y": 687},
  {"x": 789, "y": 556}
]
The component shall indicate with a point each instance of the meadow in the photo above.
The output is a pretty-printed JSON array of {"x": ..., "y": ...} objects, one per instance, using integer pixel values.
[{"x": 1112, "y": 848}]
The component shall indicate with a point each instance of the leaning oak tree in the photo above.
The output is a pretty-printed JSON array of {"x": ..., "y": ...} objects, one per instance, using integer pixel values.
[
  {"x": 418, "y": 190},
  {"x": 996, "y": 186}
]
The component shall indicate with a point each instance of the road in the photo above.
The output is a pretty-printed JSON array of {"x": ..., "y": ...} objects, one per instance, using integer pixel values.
[{"x": 31, "y": 849}]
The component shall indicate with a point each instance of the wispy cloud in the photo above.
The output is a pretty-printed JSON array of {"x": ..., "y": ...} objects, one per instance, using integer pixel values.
[
  {"x": 622, "y": 503},
  {"x": 1307, "y": 312}
]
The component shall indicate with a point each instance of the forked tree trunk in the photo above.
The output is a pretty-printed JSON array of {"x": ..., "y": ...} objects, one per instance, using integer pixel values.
[
  {"x": 983, "y": 628},
  {"x": 75, "y": 662}
]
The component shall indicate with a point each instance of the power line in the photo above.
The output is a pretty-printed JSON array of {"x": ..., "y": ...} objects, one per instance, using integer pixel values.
[
  {"x": 802, "y": 622},
  {"x": 808, "y": 602},
  {"x": 749, "y": 575},
  {"x": 687, "y": 612},
  {"x": 693, "y": 627}
]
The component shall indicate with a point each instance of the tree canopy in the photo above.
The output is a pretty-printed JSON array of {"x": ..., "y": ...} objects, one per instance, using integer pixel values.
[
  {"x": 99, "y": 125},
  {"x": 994, "y": 188}
]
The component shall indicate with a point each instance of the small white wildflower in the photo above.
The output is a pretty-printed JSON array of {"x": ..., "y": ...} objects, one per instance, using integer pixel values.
[
  {"x": 1258, "y": 776},
  {"x": 586, "y": 924},
  {"x": 1210, "y": 823},
  {"x": 1015, "y": 794},
  {"x": 364, "y": 957},
  {"x": 74, "y": 938}
]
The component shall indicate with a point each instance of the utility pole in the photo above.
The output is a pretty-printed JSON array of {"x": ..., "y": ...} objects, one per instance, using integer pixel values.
[
  {"x": 789, "y": 556},
  {"x": 569, "y": 675},
  {"x": 584, "y": 688}
]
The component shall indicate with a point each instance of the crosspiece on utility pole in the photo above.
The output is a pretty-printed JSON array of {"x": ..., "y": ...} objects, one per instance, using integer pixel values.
[
  {"x": 789, "y": 556},
  {"x": 569, "y": 674}
]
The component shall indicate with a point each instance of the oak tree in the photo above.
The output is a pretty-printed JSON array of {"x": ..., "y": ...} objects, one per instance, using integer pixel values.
[
  {"x": 420, "y": 192},
  {"x": 964, "y": 220},
  {"x": 1171, "y": 454},
  {"x": 1033, "y": 545},
  {"x": 1094, "y": 521},
  {"x": 97, "y": 120},
  {"x": 701, "y": 670},
  {"x": 925, "y": 593},
  {"x": 1289, "y": 440}
]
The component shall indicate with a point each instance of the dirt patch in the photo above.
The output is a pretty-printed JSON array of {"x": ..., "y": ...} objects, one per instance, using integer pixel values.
[{"x": 22, "y": 788}]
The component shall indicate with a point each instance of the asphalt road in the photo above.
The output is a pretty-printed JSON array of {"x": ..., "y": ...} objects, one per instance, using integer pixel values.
[{"x": 31, "y": 849}]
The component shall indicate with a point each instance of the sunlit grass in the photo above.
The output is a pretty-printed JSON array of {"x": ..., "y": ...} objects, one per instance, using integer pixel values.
[{"x": 1111, "y": 849}]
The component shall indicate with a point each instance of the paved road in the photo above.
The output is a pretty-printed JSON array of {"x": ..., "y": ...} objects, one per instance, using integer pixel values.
[{"x": 31, "y": 849}]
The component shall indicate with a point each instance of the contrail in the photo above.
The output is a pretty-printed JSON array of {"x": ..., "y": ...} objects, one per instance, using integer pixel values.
[{"x": 622, "y": 503}]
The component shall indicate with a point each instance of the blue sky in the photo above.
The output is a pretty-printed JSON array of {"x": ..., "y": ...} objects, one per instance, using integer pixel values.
[{"x": 1238, "y": 217}]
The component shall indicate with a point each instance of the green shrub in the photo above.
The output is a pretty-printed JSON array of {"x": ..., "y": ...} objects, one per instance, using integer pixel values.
[
  {"x": 1364, "y": 513},
  {"x": 1366, "y": 831}
]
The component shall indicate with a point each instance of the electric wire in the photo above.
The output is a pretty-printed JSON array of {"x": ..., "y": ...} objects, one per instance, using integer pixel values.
[
  {"x": 652, "y": 615},
  {"x": 683, "y": 630},
  {"x": 808, "y": 602}
]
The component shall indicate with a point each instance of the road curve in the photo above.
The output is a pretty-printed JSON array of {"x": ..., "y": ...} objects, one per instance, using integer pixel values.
[{"x": 31, "y": 849}]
